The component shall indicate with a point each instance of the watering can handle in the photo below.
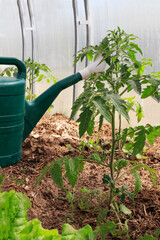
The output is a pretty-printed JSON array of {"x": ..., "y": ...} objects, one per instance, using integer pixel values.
[{"x": 19, "y": 64}]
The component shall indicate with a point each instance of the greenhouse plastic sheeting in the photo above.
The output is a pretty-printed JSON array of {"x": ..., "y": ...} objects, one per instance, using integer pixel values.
[{"x": 55, "y": 37}]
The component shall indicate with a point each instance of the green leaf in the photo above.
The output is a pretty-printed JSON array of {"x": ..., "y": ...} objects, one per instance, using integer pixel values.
[
  {"x": 153, "y": 134},
  {"x": 147, "y": 237},
  {"x": 1, "y": 179},
  {"x": 136, "y": 85},
  {"x": 103, "y": 214},
  {"x": 125, "y": 210},
  {"x": 139, "y": 141},
  {"x": 100, "y": 122},
  {"x": 76, "y": 106},
  {"x": 124, "y": 136},
  {"x": 121, "y": 163},
  {"x": 8, "y": 73},
  {"x": 134, "y": 45},
  {"x": 108, "y": 180},
  {"x": 100, "y": 85},
  {"x": 139, "y": 111},
  {"x": 90, "y": 128},
  {"x": 137, "y": 179},
  {"x": 56, "y": 174},
  {"x": 140, "y": 70},
  {"x": 103, "y": 108},
  {"x": 157, "y": 232},
  {"x": 90, "y": 55},
  {"x": 71, "y": 167},
  {"x": 129, "y": 194},
  {"x": 95, "y": 157},
  {"x": 108, "y": 227},
  {"x": 119, "y": 105},
  {"x": 84, "y": 120},
  {"x": 44, "y": 171},
  {"x": 70, "y": 233},
  {"x": 148, "y": 91}
]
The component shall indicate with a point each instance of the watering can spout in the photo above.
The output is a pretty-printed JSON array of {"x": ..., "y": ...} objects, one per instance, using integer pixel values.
[{"x": 35, "y": 110}]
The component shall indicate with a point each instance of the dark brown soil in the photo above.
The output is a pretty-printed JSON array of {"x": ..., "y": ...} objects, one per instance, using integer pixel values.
[{"x": 48, "y": 141}]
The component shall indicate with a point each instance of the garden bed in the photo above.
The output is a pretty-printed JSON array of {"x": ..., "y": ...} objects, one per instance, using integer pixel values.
[{"x": 56, "y": 137}]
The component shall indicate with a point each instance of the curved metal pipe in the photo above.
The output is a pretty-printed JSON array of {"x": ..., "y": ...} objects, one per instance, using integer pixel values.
[
  {"x": 74, "y": 4},
  {"x": 32, "y": 23},
  {"x": 22, "y": 27}
]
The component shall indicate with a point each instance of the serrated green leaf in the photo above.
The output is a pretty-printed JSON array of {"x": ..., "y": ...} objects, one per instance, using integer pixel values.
[
  {"x": 122, "y": 196},
  {"x": 71, "y": 167},
  {"x": 119, "y": 105},
  {"x": 90, "y": 55},
  {"x": 76, "y": 106},
  {"x": 90, "y": 128},
  {"x": 103, "y": 214},
  {"x": 138, "y": 184},
  {"x": 140, "y": 70},
  {"x": 99, "y": 85},
  {"x": 136, "y": 85},
  {"x": 108, "y": 180},
  {"x": 124, "y": 136},
  {"x": 121, "y": 163},
  {"x": 139, "y": 111},
  {"x": 103, "y": 108},
  {"x": 153, "y": 134},
  {"x": 84, "y": 120},
  {"x": 108, "y": 227},
  {"x": 44, "y": 171},
  {"x": 134, "y": 45},
  {"x": 139, "y": 141},
  {"x": 95, "y": 157},
  {"x": 148, "y": 91},
  {"x": 56, "y": 175},
  {"x": 125, "y": 210}
]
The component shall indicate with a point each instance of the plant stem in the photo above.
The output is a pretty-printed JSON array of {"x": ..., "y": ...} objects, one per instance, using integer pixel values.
[
  {"x": 124, "y": 91},
  {"x": 113, "y": 143},
  {"x": 113, "y": 151},
  {"x": 119, "y": 130}
]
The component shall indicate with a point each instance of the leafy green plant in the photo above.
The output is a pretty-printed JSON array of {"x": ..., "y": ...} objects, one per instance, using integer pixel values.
[
  {"x": 72, "y": 167},
  {"x": 104, "y": 95},
  {"x": 36, "y": 72},
  {"x": 14, "y": 224}
]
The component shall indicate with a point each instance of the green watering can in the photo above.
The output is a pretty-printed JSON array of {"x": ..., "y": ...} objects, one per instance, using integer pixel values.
[{"x": 17, "y": 116}]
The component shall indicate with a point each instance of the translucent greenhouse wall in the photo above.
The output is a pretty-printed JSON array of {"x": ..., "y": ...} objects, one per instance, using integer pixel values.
[{"x": 51, "y": 31}]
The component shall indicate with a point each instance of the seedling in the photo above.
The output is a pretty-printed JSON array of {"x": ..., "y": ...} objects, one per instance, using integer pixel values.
[{"x": 36, "y": 72}]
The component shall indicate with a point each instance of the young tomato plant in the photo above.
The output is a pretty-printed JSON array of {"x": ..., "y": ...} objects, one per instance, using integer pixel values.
[
  {"x": 36, "y": 72},
  {"x": 104, "y": 95}
]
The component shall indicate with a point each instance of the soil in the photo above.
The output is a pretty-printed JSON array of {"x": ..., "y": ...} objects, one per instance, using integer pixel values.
[{"x": 56, "y": 137}]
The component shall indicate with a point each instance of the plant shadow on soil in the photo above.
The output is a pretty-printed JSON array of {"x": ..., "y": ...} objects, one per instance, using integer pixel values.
[{"x": 48, "y": 141}]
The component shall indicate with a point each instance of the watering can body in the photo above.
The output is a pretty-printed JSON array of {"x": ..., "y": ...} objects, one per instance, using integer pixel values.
[
  {"x": 12, "y": 92},
  {"x": 17, "y": 116}
]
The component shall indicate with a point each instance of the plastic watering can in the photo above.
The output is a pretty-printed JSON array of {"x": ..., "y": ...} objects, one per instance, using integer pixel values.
[{"x": 17, "y": 116}]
